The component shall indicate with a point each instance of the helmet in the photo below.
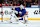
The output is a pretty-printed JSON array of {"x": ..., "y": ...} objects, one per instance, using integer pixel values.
[{"x": 21, "y": 6}]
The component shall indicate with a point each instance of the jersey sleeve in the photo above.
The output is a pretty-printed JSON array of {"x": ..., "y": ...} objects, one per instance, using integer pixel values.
[
  {"x": 17, "y": 9},
  {"x": 24, "y": 11}
]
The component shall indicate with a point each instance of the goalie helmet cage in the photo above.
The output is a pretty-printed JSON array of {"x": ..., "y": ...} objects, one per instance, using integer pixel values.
[{"x": 8, "y": 6}]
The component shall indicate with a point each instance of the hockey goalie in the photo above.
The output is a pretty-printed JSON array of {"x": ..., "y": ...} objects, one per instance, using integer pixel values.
[{"x": 18, "y": 14}]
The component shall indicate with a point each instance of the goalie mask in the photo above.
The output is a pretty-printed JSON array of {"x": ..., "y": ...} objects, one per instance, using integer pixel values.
[{"x": 21, "y": 7}]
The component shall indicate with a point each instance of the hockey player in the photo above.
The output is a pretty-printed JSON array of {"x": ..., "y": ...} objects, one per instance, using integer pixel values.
[{"x": 20, "y": 12}]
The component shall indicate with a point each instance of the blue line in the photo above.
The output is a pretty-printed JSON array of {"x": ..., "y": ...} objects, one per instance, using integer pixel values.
[
  {"x": 25, "y": 7},
  {"x": 32, "y": 7}
]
